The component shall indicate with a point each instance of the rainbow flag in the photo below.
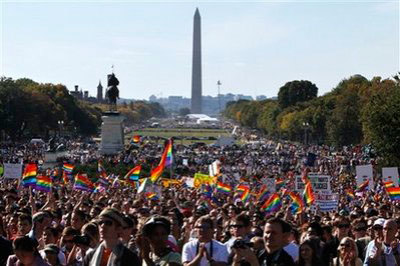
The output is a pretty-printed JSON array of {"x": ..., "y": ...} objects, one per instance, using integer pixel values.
[
  {"x": 169, "y": 158},
  {"x": 272, "y": 204},
  {"x": 224, "y": 188},
  {"x": 393, "y": 192},
  {"x": 308, "y": 194},
  {"x": 304, "y": 176},
  {"x": 350, "y": 195},
  {"x": 133, "y": 174},
  {"x": 43, "y": 183},
  {"x": 156, "y": 173},
  {"x": 263, "y": 193},
  {"x": 245, "y": 196},
  {"x": 151, "y": 195},
  {"x": 29, "y": 175},
  {"x": 297, "y": 205},
  {"x": 82, "y": 182},
  {"x": 68, "y": 168},
  {"x": 279, "y": 182},
  {"x": 363, "y": 186},
  {"x": 388, "y": 184},
  {"x": 135, "y": 139},
  {"x": 244, "y": 192}
]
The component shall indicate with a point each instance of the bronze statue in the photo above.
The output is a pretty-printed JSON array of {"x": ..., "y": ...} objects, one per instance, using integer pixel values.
[{"x": 112, "y": 92}]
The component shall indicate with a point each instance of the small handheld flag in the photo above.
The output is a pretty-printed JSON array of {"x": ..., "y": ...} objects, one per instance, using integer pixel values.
[{"x": 29, "y": 175}]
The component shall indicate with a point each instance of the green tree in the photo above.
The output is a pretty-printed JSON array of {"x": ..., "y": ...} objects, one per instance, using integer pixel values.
[
  {"x": 381, "y": 117},
  {"x": 296, "y": 91},
  {"x": 184, "y": 111}
]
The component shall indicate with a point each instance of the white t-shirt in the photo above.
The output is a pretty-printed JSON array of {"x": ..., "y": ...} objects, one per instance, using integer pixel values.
[
  {"x": 293, "y": 250},
  {"x": 219, "y": 252}
]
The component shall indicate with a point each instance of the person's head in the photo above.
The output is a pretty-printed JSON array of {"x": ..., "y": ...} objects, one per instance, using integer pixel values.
[
  {"x": 157, "y": 229},
  {"x": 51, "y": 254},
  {"x": 359, "y": 228},
  {"x": 378, "y": 227},
  {"x": 314, "y": 229},
  {"x": 78, "y": 219},
  {"x": 276, "y": 233},
  {"x": 24, "y": 224},
  {"x": 307, "y": 252},
  {"x": 127, "y": 230},
  {"x": 347, "y": 244},
  {"x": 343, "y": 226},
  {"x": 111, "y": 223},
  {"x": 25, "y": 249},
  {"x": 241, "y": 225},
  {"x": 41, "y": 220},
  {"x": 91, "y": 230},
  {"x": 258, "y": 243},
  {"x": 68, "y": 236},
  {"x": 205, "y": 228},
  {"x": 50, "y": 235},
  {"x": 389, "y": 231}
]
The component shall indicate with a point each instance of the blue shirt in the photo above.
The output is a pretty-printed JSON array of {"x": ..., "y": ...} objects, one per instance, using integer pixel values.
[{"x": 387, "y": 255}]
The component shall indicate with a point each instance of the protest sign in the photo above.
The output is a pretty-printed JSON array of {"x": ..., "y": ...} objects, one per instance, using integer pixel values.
[
  {"x": 320, "y": 183},
  {"x": 391, "y": 174},
  {"x": 364, "y": 173},
  {"x": 12, "y": 170},
  {"x": 327, "y": 202}
]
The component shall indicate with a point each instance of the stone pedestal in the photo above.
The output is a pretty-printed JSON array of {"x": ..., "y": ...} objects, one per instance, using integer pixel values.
[{"x": 112, "y": 133}]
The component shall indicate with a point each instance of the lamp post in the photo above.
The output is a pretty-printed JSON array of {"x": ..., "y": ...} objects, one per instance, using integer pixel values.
[
  {"x": 305, "y": 125},
  {"x": 180, "y": 131},
  {"x": 60, "y": 125}
]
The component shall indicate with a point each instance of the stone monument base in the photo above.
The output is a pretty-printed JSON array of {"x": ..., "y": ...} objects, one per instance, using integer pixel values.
[{"x": 112, "y": 133}]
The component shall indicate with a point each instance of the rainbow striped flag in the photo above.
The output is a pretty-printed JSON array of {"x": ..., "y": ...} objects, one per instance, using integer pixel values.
[
  {"x": 82, "y": 182},
  {"x": 279, "y": 182},
  {"x": 68, "y": 168},
  {"x": 133, "y": 174},
  {"x": 135, "y": 139},
  {"x": 272, "y": 204},
  {"x": 156, "y": 173},
  {"x": 29, "y": 175},
  {"x": 245, "y": 196},
  {"x": 43, "y": 183},
  {"x": 262, "y": 193},
  {"x": 169, "y": 157},
  {"x": 224, "y": 188},
  {"x": 363, "y": 186},
  {"x": 244, "y": 192},
  {"x": 350, "y": 195},
  {"x": 393, "y": 192},
  {"x": 297, "y": 205},
  {"x": 308, "y": 194},
  {"x": 388, "y": 184}
]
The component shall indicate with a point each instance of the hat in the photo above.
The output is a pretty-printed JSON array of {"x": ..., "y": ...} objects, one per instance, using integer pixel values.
[
  {"x": 114, "y": 215},
  {"x": 379, "y": 221},
  {"x": 51, "y": 248},
  {"x": 155, "y": 221}
]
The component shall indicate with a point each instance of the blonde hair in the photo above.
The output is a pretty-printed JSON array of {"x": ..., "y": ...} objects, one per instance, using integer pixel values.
[{"x": 352, "y": 243}]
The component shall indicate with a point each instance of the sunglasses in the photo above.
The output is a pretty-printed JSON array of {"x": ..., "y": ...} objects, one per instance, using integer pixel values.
[
  {"x": 377, "y": 227},
  {"x": 106, "y": 222},
  {"x": 343, "y": 226},
  {"x": 347, "y": 245}
]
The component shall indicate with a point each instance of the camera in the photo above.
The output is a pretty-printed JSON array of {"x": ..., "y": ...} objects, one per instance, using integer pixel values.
[
  {"x": 240, "y": 243},
  {"x": 81, "y": 240}
]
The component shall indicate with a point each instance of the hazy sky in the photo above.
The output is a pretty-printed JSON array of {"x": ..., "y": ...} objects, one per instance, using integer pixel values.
[{"x": 252, "y": 47}]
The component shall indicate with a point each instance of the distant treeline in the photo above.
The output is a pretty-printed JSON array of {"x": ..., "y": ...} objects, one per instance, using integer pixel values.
[
  {"x": 357, "y": 111},
  {"x": 28, "y": 109}
]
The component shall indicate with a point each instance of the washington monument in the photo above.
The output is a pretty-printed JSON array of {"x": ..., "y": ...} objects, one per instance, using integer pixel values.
[{"x": 196, "y": 65}]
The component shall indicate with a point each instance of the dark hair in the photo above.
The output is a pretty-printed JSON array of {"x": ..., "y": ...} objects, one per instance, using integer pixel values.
[
  {"x": 244, "y": 218},
  {"x": 327, "y": 228},
  {"x": 81, "y": 214},
  {"x": 53, "y": 231},
  {"x": 315, "y": 259},
  {"x": 286, "y": 227},
  {"x": 25, "y": 243},
  {"x": 206, "y": 219},
  {"x": 25, "y": 217},
  {"x": 70, "y": 231},
  {"x": 129, "y": 222}
]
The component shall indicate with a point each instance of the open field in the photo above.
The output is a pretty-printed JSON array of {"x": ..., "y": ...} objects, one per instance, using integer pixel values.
[{"x": 183, "y": 133}]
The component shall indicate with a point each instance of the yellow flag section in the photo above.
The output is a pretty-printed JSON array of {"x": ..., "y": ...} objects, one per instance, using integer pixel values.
[{"x": 200, "y": 179}]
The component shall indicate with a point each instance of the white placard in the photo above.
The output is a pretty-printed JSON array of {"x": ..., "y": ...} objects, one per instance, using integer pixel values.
[
  {"x": 185, "y": 162},
  {"x": 320, "y": 183},
  {"x": 364, "y": 173},
  {"x": 189, "y": 182},
  {"x": 327, "y": 202},
  {"x": 12, "y": 170},
  {"x": 391, "y": 174}
]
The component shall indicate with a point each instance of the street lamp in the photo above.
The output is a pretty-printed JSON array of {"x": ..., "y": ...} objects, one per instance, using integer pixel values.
[
  {"x": 181, "y": 123},
  {"x": 305, "y": 125},
  {"x": 60, "y": 125}
]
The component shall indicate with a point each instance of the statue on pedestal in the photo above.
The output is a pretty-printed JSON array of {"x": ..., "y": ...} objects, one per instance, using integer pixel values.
[{"x": 112, "y": 92}]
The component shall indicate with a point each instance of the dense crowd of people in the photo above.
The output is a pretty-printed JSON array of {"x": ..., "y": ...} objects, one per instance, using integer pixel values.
[{"x": 184, "y": 226}]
